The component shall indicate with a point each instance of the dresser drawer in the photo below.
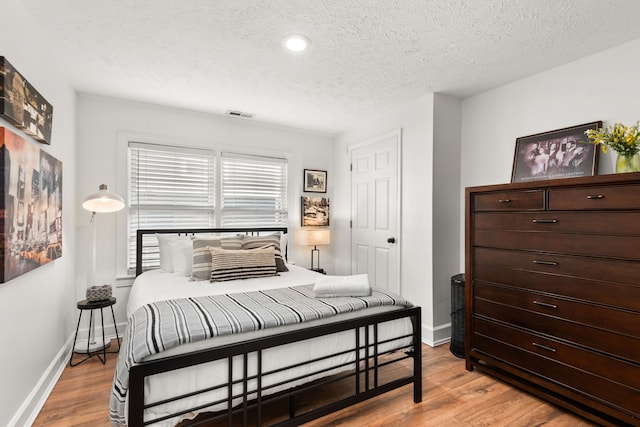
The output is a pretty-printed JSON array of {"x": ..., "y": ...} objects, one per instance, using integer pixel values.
[
  {"x": 595, "y": 375},
  {"x": 509, "y": 201},
  {"x": 606, "y": 318},
  {"x": 596, "y": 291},
  {"x": 595, "y": 198},
  {"x": 623, "y": 247},
  {"x": 605, "y": 341},
  {"x": 612, "y": 223},
  {"x": 616, "y": 271}
]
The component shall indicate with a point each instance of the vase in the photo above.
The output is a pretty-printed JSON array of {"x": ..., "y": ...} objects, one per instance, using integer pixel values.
[{"x": 628, "y": 163}]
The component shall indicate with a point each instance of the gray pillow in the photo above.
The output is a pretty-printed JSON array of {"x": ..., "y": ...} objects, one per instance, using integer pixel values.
[
  {"x": 201, "y": 268},
  {"x": 252, "y": 242},
  {"x": 242, "y": 264}
]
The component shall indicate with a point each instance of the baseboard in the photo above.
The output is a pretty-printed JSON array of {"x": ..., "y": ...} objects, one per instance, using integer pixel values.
[
  {"x": 31, "y": 407},
  {"x": 109, "y": 332},
  {"x": 439, "y": 335},
  {"x": 28, "y": 412}
]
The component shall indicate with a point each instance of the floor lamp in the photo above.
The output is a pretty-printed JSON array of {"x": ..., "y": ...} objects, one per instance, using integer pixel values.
[{"x": 101, "y": 202}]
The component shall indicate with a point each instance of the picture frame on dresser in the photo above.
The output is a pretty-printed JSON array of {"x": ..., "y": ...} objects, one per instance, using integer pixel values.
[{"x": 560, "y": 153}]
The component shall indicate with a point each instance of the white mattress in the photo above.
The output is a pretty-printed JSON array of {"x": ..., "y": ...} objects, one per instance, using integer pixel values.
[{"x": 157, "y": 285}]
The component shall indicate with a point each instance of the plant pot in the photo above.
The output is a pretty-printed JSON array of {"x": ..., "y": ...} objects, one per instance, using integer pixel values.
[{"x": 628, "y": 163}]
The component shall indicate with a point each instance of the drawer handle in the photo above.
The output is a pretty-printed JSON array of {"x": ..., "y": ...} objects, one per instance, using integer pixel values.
[
  {"x": 545, "y": 304},
  {"x": 504, "y": 201},
  {"x": 595, "y": 196},
  {"x": 545, "y": 221},
  {"x": 544, "y": 347},
  {"x": 535, "y": 261}
]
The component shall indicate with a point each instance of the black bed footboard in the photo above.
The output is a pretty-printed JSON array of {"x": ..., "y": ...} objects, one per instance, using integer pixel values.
[{"x": 368, "y": 357}]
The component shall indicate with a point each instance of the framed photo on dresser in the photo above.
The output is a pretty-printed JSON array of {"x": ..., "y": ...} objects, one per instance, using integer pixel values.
[{"x": 562, "y": 153}]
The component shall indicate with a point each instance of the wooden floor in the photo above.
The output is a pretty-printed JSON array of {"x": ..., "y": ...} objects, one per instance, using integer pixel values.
[{"x": 452, "y": 397}]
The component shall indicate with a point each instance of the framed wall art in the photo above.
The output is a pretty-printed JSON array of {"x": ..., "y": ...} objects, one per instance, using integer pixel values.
[
  {"x": 315, "y": 181},
  {"x": 562, "y": 153},
  {"x": 30, "y": 206},
  {"x": 22, "y": 105},
  {"x": 315, "y": 211}
]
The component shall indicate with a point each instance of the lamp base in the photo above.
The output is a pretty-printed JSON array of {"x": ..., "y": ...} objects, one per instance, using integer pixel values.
[
  {"x": 317, "y": 253},
  {"x": 96, "y": 345}
]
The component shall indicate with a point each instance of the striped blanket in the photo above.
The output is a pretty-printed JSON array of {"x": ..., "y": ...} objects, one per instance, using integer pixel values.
[{"x": 162, "y": 325}]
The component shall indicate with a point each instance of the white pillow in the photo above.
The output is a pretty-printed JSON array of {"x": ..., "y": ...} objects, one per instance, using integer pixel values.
[
  {"x": 165, "y": 252},
  {"x": 182, "y": 256},
  {"x": 284, "y": 241},
  {"x": 164, "y": 242}
]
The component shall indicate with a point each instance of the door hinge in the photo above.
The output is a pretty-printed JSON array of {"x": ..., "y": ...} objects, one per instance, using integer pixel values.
[
  {"x": 350, "y": 223},
  {"x": 350, "y": 167}
]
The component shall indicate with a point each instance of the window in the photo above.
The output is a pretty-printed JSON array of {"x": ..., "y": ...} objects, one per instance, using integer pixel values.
[
  {"x": 254, "y": 191},
  {"x": 176, "y": 187}
]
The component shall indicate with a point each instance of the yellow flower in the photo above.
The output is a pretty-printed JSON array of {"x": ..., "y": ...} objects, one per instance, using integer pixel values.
[{"x": 622, "y": 139}]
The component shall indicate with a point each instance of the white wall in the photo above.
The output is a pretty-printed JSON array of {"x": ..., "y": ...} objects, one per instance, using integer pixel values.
[
  {"x": 603, "y": 87},
  {"x": 37, "y": 309},
  {"x": 446, "y": 208},
  {"x": 422, "y": 140},
  {"x": 102, "y": 121}
]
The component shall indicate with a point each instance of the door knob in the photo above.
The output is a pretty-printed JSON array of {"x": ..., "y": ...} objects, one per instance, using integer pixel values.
[{"x": 391, "y": 240}]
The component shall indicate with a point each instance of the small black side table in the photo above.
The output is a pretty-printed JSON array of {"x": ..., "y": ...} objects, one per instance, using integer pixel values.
[{"x": 94, "y": 305}]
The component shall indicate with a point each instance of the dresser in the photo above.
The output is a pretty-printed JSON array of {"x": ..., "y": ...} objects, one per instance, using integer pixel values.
[{"x": 553, "y": 291}]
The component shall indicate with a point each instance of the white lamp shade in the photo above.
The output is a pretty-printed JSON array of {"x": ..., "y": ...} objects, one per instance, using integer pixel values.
[
  {"x": 316, "y": 237},
  {"x": 103, "y": 201}
]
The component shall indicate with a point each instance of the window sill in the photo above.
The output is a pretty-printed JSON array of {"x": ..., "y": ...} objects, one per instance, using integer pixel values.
[{"x": 124, "y": 281}]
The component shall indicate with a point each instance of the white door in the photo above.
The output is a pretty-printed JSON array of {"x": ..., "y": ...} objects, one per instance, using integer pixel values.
[{"x": 375, "y": 210}]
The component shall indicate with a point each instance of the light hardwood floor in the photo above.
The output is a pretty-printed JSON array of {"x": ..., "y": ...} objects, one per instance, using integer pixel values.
[{"x": 452, "y": 397}]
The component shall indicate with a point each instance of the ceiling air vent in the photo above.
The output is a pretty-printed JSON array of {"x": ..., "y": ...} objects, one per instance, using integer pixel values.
[{"x": 234, "y": 113}]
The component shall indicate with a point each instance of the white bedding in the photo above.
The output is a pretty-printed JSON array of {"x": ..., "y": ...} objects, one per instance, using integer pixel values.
[{"x": 157, "y": 285}]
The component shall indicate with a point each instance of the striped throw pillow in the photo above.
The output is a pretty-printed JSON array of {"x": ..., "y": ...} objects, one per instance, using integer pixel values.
[
  {"x": 252, "y": 242},
  {"x": 201, "y": 268},
  {"x": 241, "y": 264}
]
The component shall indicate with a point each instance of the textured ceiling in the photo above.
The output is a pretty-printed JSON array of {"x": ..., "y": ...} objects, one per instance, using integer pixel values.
[{"x": 366, "y": 56}]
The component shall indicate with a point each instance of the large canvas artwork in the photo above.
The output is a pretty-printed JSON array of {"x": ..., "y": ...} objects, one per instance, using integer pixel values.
[
  {"x": 22, "y": 104},
  {"x": 30, "y": 206}
]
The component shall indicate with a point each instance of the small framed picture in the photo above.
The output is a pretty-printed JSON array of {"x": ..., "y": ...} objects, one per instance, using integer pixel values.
[
  {"x": 562, "y": 153},
  {"x": 315, "y": 181},
  {"x": 315, "y": 211}
]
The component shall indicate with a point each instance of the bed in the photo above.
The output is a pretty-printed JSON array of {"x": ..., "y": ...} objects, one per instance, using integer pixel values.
[{"x": 225, "y": 376}]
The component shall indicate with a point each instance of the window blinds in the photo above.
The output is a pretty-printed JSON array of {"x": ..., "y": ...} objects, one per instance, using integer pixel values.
[
  {"x": 169, "y": 187},
  {"x": 254, "y": 191}
]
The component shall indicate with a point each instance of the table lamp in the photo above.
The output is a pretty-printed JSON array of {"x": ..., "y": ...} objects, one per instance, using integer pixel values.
[{"x": 315, "y": 238}]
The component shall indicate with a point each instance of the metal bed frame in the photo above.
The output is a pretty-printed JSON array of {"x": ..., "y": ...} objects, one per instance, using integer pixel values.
[{"x": 365, "y": 372}]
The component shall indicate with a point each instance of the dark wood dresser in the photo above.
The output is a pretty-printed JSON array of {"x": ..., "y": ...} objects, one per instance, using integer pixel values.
[{"x": 553, "y": 291}]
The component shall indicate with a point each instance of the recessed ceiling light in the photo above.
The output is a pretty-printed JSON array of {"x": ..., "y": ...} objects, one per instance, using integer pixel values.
[{"x": 295, "y": 42}]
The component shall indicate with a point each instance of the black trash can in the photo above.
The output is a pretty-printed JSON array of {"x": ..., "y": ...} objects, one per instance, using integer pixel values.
[{"x": 457, "y": 316}]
